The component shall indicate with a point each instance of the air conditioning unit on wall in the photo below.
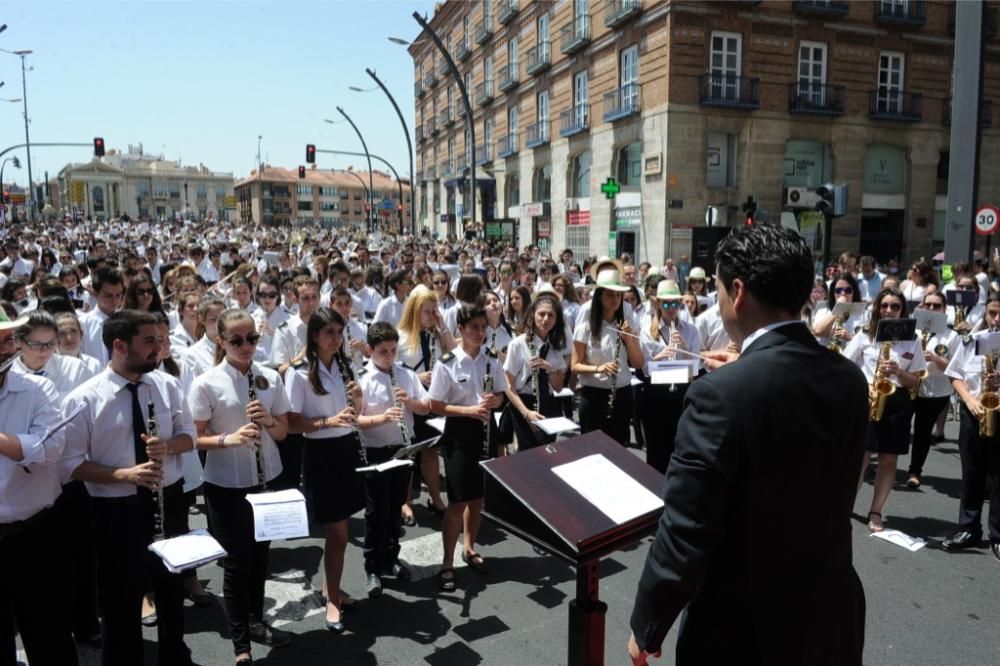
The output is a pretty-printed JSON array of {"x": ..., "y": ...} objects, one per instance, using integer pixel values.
[{"x": 801, "y": 197}]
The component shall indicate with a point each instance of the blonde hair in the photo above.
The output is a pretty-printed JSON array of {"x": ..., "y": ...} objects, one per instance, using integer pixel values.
[{"x": 409, "y": 323}]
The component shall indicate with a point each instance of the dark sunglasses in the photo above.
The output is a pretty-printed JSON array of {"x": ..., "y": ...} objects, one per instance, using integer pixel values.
[
  {"x": 444, "y": 282},
  {"x": 934, "y": 306},
  {"x": 894, "y": 307},
  {"x": 252, "y": 339},
  {"x": 844, "y": 290},
  {"x": 145, "y": 292},
  {"x": 267, "y": 294}
]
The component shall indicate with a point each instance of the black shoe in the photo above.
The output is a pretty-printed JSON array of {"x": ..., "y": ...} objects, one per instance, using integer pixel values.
[
  {"x": 150, "y": 620},
  {"x": 336, "y": 627},
  {"x": 90, "y": 639},
  {"x": 268, "y": 635},
  {"x": 399, "y": 572},
  {"x": 374, "y": 586},
  {"x": 961, "y": 539},
  {"x": 995, "y": 549}
]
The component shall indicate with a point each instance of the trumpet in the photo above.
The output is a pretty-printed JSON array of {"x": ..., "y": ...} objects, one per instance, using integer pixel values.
[
  {"x": 990, "y": 400},
  {"x": 881, "y": 387},
  {"x": 159, "y": 510},
  {"x": 259, "y": 447}
]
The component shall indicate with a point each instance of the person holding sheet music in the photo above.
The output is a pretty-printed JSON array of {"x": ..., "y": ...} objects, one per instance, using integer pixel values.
[
  {"x": 826, "y": 325},
  {"x": 890, "y": 435},
  {"x": 392, "y": 394},
  {"x": 535, "y": 369},
  {"x": 321, "y": 407},
  {"x": 239, "y": 435},
  {"x": 32, "y": 538},
  {"x": 667, "y": 332},
  {"x": 124, "y": 467},
  {"x": 467, "y": 385},
  {"x": 971, "y": 314}
]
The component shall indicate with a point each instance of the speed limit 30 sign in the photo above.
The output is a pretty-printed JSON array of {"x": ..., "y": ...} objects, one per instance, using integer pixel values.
[{"x": 987, "y": 220}]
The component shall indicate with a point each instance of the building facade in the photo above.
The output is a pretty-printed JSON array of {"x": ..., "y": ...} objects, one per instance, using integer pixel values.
[
  {"x": 692, "y": 106},
  {"x": 142, "y": 186},
  {"x": 275, "y": 196}
]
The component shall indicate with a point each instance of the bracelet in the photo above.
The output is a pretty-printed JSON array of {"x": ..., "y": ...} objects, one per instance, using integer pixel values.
[{"x": 222, "y": 440}]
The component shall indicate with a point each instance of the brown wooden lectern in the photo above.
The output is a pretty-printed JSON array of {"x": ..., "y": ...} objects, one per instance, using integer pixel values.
[{"x": 526, "y": 497}]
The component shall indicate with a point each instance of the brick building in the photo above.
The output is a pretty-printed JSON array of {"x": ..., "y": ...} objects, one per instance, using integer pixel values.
[{"x": 690, "y": 104}]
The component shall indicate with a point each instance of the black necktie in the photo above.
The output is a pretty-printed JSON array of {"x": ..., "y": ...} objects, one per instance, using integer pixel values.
[
  {"x": 425, "y": 349},
  {"x": 138, "y": 426},
  {"x": 544, "y": 391}
]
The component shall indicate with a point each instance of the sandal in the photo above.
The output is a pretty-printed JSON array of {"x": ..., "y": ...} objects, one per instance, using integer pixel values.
[
  {"x": 446, "y": 583},
  {"x": 475, "y": 561},
  {"x": 873, "y": 526}
]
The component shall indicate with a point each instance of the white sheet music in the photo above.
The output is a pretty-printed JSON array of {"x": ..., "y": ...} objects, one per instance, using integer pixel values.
[
  {"x": 392, "y": 463},
  {"x": 556, "y": 425},
  {"x": 279, "y": 515},
  {"x": 602, "y": 483},
  {"x": 437, "y": 423},
  {"x": 188, "y": 551}
]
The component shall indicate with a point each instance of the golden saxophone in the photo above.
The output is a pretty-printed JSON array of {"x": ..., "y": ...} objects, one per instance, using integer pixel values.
[
  {"x": 925, "y": 337},
  {"x": 990, "y": 400},
  {"x": 881, "y": 387},
  {"x": 836, "y": 344}
]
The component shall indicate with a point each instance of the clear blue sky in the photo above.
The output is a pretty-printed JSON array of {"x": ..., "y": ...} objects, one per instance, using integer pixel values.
[{"x": 200, "y": 81}]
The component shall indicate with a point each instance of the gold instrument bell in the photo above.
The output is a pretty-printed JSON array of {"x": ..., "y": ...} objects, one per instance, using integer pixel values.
[
  {"x": 990, "y": 400},
  {"x": 881, "y": 387},
  {"x": 941, "y": 350}
]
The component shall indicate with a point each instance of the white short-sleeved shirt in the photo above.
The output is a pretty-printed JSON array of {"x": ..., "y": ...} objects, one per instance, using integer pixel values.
[
  {"x": 200, "y": 356},
  {"x": 414, "y": 358},
  {"x": 651, "y": 346},
  {"x": 518, "y": 360},
  {"x": 354, "y": 331},
  {"x": 389, "y": 310},
  {"x": 458, "y": 378},
  {"x": 936, "y": 384},
  {"x": 967, "y": 364},
  {"x": 864, "y": 353},
  {"x": 92, "y": 325},
  {"x": 220, "y": 396},
  {"x": 710, "y": 329},
  {"x": 603, "y": 351},
  {"x": 303, "y": 400},
  {"x": 65, "y": 372},
  {"x": 498, "y": 338},
  {"x": 853, "y": 324},
  {"x": 379, "y": 397}
]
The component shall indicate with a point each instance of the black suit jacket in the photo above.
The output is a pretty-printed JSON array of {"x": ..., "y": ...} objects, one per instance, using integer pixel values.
[{"x": 755, "y": 535}]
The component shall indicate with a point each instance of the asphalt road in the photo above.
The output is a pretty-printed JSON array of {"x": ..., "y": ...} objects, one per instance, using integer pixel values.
[{"x": 928, "y": 608}]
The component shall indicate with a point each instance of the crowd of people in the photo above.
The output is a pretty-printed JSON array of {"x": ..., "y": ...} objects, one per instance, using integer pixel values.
[{"x": 274, "y": 359}]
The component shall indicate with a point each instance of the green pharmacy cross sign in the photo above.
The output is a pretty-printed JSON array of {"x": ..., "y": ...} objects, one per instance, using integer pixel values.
[{"x": 611, "y": 188}]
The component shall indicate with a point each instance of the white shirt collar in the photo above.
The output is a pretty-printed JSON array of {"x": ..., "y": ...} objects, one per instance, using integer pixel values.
[{"x": 750, "y": 339}]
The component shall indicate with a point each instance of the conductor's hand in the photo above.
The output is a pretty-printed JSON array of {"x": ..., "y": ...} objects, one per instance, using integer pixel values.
[
  {"x": 257, "y": 413},
  {"x": 146, "y": 475},
  {"x": 639, "y": 658},
  {"x": 156, "y": 448},
  {"x": 718, "y": 358}
]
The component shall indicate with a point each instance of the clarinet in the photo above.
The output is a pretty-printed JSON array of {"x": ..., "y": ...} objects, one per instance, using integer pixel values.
[
  {"x": 432, "y": 343},
  {"x": 488, "y": 389},
  {"x": 534, "y": 373},
  {"x": 403, "y": 430},
  {"x": 614, "y": 378},
  {"x": 670, "y": 334},
  {"x": 159, "y": 533},
  {"x": 347, "y": 376},
  {"x": 259, "y": 448}
]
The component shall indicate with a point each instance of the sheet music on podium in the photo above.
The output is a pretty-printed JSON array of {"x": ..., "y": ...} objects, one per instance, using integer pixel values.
[
  {"x": 279, "y": 515},
  {"x": 602, "y": 483}
]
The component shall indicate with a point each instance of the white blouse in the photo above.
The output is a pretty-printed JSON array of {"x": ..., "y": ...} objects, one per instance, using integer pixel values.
[
  {"x": 518, "y": 360},
  {"x": 303, "y": 400},
  {"x": 601, "y": 352}
]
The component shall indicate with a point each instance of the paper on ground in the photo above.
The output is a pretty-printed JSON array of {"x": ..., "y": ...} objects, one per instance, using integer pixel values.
[
  {"x": 188, "y": 551},
  {"x": 565, "y": 393},
  {"x": 556, "y": 425},
  {"x": 912, "y": 544},
  {"x": 437, "y": 423},
  {"x": 279, "y": 515},
  {"x": 384, "y": 466},
  {"x": 602, "y": 483}
]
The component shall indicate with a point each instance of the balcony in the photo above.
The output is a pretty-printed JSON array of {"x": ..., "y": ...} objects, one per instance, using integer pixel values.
[
  {"x": 896, "y": 105},
  {"x": 538, "y": 59},
  {"x": 985, "y": 113},
  {"x": 443, "y": 68},
  {"x": 484, "y": 154},
  {"x": 447, "y": 168},
  {"x": 727, "y": 91},
  {"x": 484, "y": 93},
  {"x": 446, "y": 118},
  {"x": 818, "y": 99},
  {"x": 536, "y": 134},
  {"x": 484, "y": 30},
  {"x": 622, "y": 103},
  {"x": 463, "y": 50},
  {"x": 507, "y": 145},
  {"x": 912, "y": 13},
  {"x": 431, "y": 127},
  {"x": 419, "y": 134},
  {"x": 431, "y": 78},
  {"x": 618, "y": 12},
  {"x": 508, "y": 10},
  {"x": 575, "y": 35},
  {"x": 574, "y": 120},
  {"x": 418, "y": 89},
  {"x": 821, "y": 7},
  {"x": 509, "y": 77}
]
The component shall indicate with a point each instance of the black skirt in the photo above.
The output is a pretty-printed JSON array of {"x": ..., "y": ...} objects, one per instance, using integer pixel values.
[
  {"x": 462, "y": 444},
  {"x": 334, "y": 489},
  {"x": 892, "y": 433}
]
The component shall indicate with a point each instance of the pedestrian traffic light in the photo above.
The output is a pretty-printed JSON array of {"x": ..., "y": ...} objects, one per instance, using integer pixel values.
[
  {"x": 750, "y": 207},
  {"x": 310, "y": 153},
  {"x": 833, "y": 199},
  {"x": 302, "y": 172},
  {"x": 98, "y": 147}
]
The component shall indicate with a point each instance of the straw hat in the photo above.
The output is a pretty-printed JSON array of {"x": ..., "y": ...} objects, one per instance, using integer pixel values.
[
  {"x": 7, "y": 325},
  {"x": 606, "y": 262},
  {"x": 668, "y": 290},
  {"x": 697, "y": 273},
  {"x": 610, "y": 278}
]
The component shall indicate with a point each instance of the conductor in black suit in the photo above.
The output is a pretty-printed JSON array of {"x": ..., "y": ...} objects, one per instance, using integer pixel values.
[{"x": 755, "y": 535}]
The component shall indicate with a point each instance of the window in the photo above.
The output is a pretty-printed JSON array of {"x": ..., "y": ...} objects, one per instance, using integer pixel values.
[
  {"x": 513, "y": 187},
  {"x": 543, "y": 114},
  {"x": 512, "y": 57},
  {"x": 812, "y": 72},
  {"x": 580, "y": 107},
  {"x": 488, "y": 73},
  {"x": 890, "y": 82},
  {"x": 488, "y": 11},
  {"x": 629, "y": 77},
  {"x": 466, "y": 23},
  {"x": 725, "y": 64},
  {"x": 160, "y": 189},
  {"x": 220, "y": 192},
  {"x": 629, "y": 166},
  {"x": 329, "y": 205},
  {"x": 541, "y": 185},
  {"x": 468, "y": 84},
  {"x": 175, "y": 190},
  {"x": 328, "y": 191},
  {"x": 721, "y": 160},
  {"x": 305, "y": 205},
  {"x": 305, "y": 191},
  {"x": 580, "y": 175},
  {"x": 142, "y": 188},
  {"x": 201, "y": 191},
  {"x": 512, "y": 121},
  {"x": 543, "y": 28},
  {"x": 488, "y": 134}
]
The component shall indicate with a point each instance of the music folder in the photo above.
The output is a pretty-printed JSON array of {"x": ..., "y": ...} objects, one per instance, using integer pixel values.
[{"x": 896, "y": 330}]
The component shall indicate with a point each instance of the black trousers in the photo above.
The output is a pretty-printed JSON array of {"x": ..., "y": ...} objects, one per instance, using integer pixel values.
[
  {"x": 385, "y": 493},
  {"x": 594, "y": 412},
  {"x": 77, "y": 518},
  {"x": 662, "y": 410},
  {"x": 980, "y": 463},
  {"x": 123, "y": 529},
  {"x": 925, "y": 415},
  {"x": 32, "y": 562},
  {"x": 290, "y": 450},
  {"x": 245, "y": 568},
  {"x": 528, "y": 437}
]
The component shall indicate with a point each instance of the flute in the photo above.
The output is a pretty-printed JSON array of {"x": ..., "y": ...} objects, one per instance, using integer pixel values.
[
  {"x": 152, "y": 429},
  {"x": 347, "y": 376},
  {"x": 259, "y": 448},
  {"x": 403, "y": 430},
  {"x": 487, "y": 389}
]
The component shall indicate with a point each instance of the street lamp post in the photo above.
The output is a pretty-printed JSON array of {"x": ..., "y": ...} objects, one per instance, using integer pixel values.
[
  {"x": 371, "y": 185},
  {"x": 17, "y": 165},
  {"x": 22, "y": 53},
  {"x": 384, "y": 161},
  {"x": 360, "y": 180}
]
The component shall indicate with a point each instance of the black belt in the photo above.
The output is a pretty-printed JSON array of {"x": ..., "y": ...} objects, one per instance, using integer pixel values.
[
  {"x": 21, "y": 526},
  {"x": 140, "y": 497}
]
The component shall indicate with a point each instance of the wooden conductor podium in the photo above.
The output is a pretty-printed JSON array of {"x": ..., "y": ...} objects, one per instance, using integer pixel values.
[{"x": 526, "y": 497}]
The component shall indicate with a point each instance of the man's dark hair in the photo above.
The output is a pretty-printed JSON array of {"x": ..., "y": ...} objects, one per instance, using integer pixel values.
[
  {"x": 774, "y": 263},
  {"x": 398, "y": 276},
  {"x": 381, "y": 331},
  {"x": 106, "y": 276},
  {"x": 467, "y": 313},
  {"x": 124, "y": 325}
]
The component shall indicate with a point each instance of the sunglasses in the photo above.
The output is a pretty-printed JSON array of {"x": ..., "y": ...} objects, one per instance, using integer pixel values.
[
  {"x": 440, "y": 282},
  {"x": 267, "y": 294},
  {"x": 843, "y": 290},
  {"x": 934, "y": 306},
  {"x": 672, "y": 305},
  {"x": 145, "y": 292},
  {"x": 252, "y": 339},
  {"x": 893, "y": 307},
  {"x": 35, "y": 345}
]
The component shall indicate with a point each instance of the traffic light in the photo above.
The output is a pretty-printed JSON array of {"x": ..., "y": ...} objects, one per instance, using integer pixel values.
[
  {"x": 302, "y": 172},
  {"x": 311, "y": 153},
  {"x": 833, "y": 200},
  {"x": 750, "y": 207},
  {"x": 98, "y": 146}
]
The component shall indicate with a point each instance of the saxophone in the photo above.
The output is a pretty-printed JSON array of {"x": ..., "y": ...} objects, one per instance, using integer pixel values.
[
  {"x": 881, "y": 387},
  {"x": 159, "y": 510},
  {"x": 925, "y": 337},
  {"x": 990, "y": 400},
  {"x": 835, "y": 343}
]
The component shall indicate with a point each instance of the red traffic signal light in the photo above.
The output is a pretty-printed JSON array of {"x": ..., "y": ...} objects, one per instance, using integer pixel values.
[
  {"x": 302, "y": 172},
  {"x": 98, "y": 147},
  {"x": 750, "y": 220},
  {"x": 310, "y": 153}
]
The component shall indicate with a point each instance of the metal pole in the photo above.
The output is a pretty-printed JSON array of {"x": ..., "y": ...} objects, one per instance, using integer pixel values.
[
  {"x": 27, "y": 143},
  {"x": 371, "y": 185},
  {"x": 470, "y": 123},
  {"x": 409, "y": 147},
  {"x": 384, "y": 161},
  {"x": 966, "y": 110}
]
